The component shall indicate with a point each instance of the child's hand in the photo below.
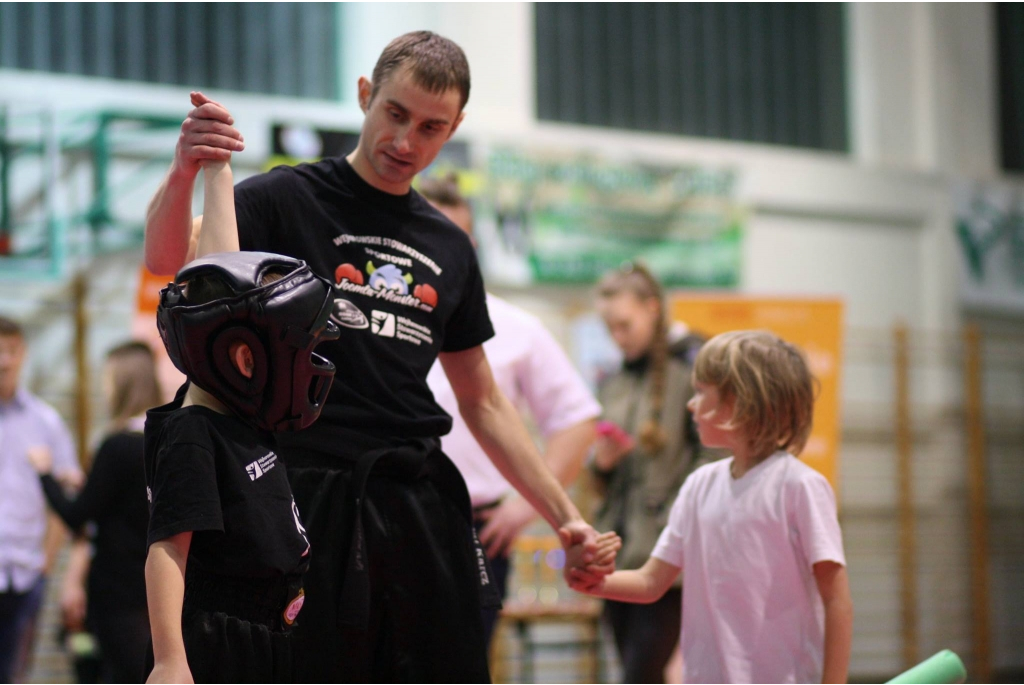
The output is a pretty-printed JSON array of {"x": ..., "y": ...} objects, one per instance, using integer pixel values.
[
  {"x": 582, "y": 580},
  {"x": 171, "y": 671},
  {"x": 602, "y": 563}
]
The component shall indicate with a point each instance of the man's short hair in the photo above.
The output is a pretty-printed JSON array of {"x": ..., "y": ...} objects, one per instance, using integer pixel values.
[
  {"x": 10, "y": 327},
  {"x": 436, "y": 63}
]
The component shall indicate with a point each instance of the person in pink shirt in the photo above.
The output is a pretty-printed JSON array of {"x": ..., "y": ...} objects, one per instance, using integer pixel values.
[{"x": 756, "y": 536}]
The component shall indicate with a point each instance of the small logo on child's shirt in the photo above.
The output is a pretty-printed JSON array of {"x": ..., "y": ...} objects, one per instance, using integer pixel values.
[{"x": 261, "y": 465}]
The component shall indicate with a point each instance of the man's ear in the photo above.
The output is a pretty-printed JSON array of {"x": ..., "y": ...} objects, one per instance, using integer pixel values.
[
  {"x": 241, "y": 357},
  {"x": 455, "y": 126},
  {"x": 365, "y": 91}
]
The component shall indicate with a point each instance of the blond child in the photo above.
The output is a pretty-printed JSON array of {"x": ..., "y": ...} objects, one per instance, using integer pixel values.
[{"x": 766, "y": 595}]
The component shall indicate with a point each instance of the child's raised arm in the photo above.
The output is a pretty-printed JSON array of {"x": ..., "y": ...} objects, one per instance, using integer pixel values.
[
  {"x": 647, "y": 584},
  {"x": 834, "y": 587},
  {"x": 165, "y": 592},
  {"x": 219, "y": 228}
]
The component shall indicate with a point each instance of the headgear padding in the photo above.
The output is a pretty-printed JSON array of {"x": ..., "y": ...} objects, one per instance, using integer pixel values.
[{"x": 281, "y": 322}]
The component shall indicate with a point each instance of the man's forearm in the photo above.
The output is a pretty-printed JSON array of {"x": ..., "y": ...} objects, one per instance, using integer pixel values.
[
  {"x": 169, "y": 222},
  {"x": 566, "y": 450},
  {"x": 499, "y": 430}
]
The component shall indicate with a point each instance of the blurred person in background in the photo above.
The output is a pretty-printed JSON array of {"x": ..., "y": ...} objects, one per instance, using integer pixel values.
[
  {"x": 646, "y": 447},
  {"x": 113, "y": 600},
  {"x": 530, "y": 368},
  {"x": 28, "y": 539}
]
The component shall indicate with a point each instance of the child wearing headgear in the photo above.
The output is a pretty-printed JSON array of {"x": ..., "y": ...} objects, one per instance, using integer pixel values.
[
  {"x": 756, "y": 536},
  {"x": 227, "y": 549}
]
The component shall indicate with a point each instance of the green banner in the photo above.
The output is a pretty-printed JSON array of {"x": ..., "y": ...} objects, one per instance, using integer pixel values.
[{"x": 546, "y": 218}]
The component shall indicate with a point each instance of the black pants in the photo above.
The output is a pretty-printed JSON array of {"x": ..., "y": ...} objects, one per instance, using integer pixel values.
[
  {"x": 499, "y": 572},
  {"x": 424, "y": 620},
  {"x": 18, "y": 613},
  {"x": 225, "y": 649},
  {"x": 646, "y": 635}
]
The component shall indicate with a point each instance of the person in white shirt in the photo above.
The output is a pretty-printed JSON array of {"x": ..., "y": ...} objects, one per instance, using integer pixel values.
[
  {"x": 756, "y": 535},
  {"x": 532, "y": 370}
]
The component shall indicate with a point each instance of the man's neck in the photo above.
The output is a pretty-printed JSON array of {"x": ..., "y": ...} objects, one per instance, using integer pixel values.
[{"x": 362, "y": 166}]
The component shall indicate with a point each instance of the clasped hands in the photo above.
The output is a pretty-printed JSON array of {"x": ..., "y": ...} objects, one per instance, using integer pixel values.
[{"x": 587, "y": 553}]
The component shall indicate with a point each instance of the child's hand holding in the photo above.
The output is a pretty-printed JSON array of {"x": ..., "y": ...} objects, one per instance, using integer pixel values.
[{"x": 587, "y": 577}]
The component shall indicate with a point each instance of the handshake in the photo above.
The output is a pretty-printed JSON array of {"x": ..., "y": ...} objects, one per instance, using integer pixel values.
[{"x": 587, "y": 562}]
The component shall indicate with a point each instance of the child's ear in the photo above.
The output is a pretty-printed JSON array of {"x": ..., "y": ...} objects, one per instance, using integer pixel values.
[{"x": 241, "y": 357}]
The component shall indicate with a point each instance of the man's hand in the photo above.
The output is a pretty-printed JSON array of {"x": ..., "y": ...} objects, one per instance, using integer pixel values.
[
  {"x": 208, "y": 133},
  {"x": 40, "y": 458},
  {"x": 503, "y": 523},
  {"x": 590, "y": 577}
]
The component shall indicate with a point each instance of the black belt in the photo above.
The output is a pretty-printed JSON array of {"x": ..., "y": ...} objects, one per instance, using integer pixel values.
[{"x": 406, "y": 461}]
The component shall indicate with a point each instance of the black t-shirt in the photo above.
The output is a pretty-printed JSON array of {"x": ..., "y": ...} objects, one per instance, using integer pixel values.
[
  {"x": 216, "y": 475},
  {"x": 407, "y": 286},
  {"x": 114, "y": 497}
]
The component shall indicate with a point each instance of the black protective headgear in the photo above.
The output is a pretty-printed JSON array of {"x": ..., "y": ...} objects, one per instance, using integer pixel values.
[{"x": 281, "y": 322}]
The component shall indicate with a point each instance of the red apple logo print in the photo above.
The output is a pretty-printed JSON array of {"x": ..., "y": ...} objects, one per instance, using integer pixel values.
[
  {"x": 426, "y": 294},
  {"x": 350, "y": 272}
]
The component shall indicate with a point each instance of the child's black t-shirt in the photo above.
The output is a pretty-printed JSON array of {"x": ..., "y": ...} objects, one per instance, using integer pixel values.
[
  {"x": 217, "y": 476},
  {"x": 407, "y": 286}
]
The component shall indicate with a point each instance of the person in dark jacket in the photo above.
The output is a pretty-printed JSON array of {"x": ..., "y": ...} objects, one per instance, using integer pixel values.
[{"x": 114, "y": 500}]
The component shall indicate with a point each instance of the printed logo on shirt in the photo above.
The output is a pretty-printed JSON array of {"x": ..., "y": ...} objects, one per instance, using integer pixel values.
[
  {"x": 388, "y": 282},
  {"x": 348, "y": 315},
  {"x": 383, "y": 323},
  {"x": 299, "y": 526},
  {"x": 149, "y": 495},
  {"x": 388, "y": 325},
  {"x": 261, "y": 466}
]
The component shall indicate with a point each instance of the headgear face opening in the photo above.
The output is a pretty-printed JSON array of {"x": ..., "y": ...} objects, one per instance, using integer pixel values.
[{"x": 281, "y": 322}]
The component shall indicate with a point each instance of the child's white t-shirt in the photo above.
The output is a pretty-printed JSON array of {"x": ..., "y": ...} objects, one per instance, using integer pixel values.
[{"x": 751, "y": 608}]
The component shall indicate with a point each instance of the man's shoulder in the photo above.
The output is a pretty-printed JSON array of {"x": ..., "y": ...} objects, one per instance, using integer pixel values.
[{"x": 40, "y": 408}]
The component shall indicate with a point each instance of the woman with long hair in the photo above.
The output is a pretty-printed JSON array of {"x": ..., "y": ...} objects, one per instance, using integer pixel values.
[
  {"x": 646, "y": 447},
  {"x": 114, "y": 499}
]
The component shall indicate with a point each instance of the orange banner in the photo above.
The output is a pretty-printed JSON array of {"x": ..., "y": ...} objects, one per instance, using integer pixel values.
[{"x": 815, "y": 325}]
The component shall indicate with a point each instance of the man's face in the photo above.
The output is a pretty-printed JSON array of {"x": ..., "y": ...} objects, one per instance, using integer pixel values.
[
  {"x": 405, "y": 128},
  {"x": 12, "y": 356}
]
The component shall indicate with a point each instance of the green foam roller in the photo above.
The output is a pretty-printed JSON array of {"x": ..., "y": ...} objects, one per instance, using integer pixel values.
[{"x": 944, "y": 667}]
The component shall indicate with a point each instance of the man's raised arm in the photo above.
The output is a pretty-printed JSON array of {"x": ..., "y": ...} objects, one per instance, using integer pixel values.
[{"x": 206, "y": 134}]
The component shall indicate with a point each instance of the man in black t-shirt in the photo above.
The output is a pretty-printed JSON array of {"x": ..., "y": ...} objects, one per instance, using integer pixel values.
[{"x": 395, "y": 585}]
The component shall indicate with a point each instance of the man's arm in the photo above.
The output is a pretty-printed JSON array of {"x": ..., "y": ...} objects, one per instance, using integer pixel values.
[
  {"x": 834, "y": 587},
  {"x": 206, "y": 134},
  {"x": 564, "y": 452},
  {"x": 496, "y": 425},
  {"x": 165, "y": 593}
]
